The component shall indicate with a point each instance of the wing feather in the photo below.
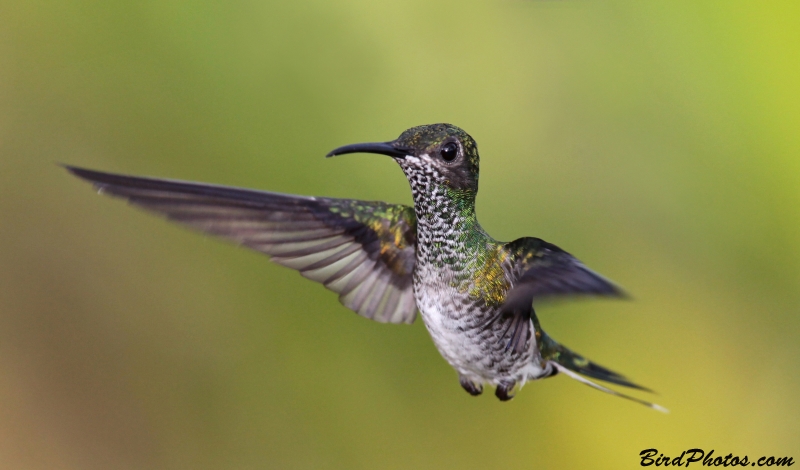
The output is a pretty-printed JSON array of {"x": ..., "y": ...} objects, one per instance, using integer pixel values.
[
  {"x": 546, "y": 270},
  {"x": 364, "y": 251},
  {"x": 540, "y": 269}
]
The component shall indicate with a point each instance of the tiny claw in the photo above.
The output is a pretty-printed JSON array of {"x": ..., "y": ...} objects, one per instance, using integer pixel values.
[
  {"x": 471, "y": 387},
  {"x": 504, "y": 389}
]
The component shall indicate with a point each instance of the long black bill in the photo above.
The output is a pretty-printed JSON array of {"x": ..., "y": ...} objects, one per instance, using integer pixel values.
[{"x": 383, "y": 148}]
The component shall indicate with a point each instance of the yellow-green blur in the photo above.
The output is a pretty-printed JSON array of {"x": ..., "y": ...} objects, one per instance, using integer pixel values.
[{"x": 656, "y": 141}]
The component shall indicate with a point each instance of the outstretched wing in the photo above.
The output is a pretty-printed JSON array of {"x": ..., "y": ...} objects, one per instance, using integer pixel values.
[
  {"x": 364, "y": 251},
  {"x": 544, "y": 270}
]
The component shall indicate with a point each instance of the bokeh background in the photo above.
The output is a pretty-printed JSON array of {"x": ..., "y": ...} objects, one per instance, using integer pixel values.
[{"x": 657, "y": 141}]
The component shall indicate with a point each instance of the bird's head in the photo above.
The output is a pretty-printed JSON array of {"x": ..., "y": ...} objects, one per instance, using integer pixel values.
[{"x": 437, "y": 153}]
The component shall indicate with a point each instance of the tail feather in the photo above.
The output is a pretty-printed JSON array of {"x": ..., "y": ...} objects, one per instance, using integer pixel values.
[
  {"x": 572, "y": 364},
  {"x": 608, "y": 390},
  {"x": 577, "y": 363}
]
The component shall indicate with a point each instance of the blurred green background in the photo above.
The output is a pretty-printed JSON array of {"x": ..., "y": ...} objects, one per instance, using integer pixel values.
[{"x": 656, "y": 141}]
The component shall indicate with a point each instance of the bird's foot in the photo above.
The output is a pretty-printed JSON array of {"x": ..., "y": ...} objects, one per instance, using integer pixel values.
[
  {"x": 471, "y": 387},
  {"x": 504, "y": 390}
]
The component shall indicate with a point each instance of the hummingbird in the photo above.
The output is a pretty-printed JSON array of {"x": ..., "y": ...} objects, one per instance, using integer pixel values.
[{"x": 389, "y": 261}]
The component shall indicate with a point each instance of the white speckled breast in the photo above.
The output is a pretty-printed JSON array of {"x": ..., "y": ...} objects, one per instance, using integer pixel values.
[{"x": 455, "y": 319}]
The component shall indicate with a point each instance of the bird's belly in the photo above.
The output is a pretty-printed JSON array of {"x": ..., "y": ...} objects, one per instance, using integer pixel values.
[{"x": 457, "y": 327}]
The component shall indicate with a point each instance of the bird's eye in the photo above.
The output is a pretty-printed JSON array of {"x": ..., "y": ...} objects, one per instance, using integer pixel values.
[{"x": 449, "y": 151}]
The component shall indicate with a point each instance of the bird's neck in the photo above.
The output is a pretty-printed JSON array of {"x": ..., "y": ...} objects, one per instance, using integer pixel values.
[
  {"x": 448, "y": 232},
  {"x": 443, "y": 209}
]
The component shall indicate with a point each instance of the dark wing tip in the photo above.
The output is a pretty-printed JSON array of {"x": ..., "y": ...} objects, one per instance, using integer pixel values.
[
  {"x": 72, "y": 169},
  {"x": 111, "y": 182},
  {"x": 611, "y": 289},
  {"x": 93, "y": 176}
]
